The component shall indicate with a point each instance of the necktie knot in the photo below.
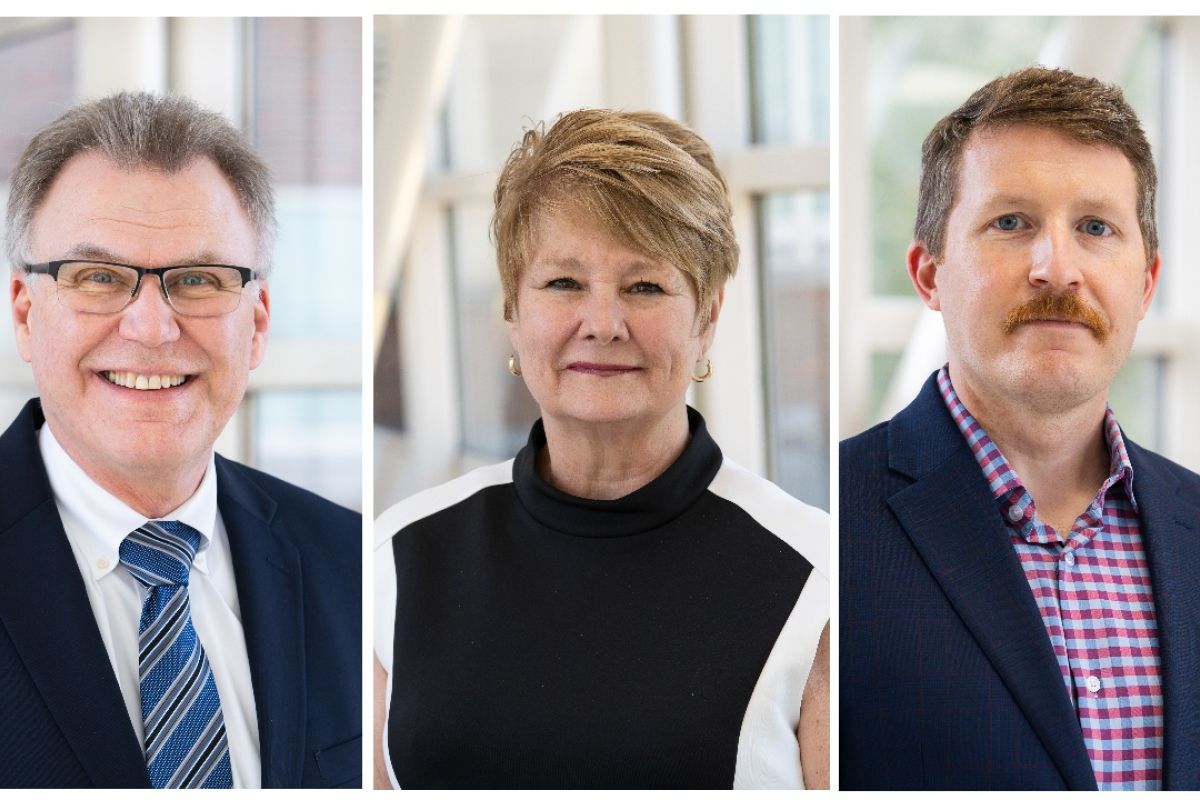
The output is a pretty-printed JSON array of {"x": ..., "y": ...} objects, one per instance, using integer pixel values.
[{"x": 160, "y": 553}]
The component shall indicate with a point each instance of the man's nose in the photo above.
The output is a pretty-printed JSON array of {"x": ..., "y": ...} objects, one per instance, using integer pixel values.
[
  {"x": 149, "y": 318},
  {"x": 1055, "y": 259},
  {"x": 603, "y": 315}
]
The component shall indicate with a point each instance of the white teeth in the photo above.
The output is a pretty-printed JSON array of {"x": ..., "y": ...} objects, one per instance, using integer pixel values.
[{"x": 132, "y": 380}]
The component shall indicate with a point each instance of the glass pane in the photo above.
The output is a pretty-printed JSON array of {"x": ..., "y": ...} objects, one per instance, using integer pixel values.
[
  {"x": 313, "y": 439},
  {"x": 883, "y": 367},
  {"x": 316, "y": 289},
  {"x": 794, "y": 242},
  {"x": 1145, "y": 83},
  {"x": 1136, "y": 398},
  {"x": 513, "y": 72},
  {"x": 389, "y": 373},
  {"x": 37, "y": 80},
  {"x": 306, "y": 123},
  {"x": 497, "y": 409},
  {"x": 789, "y": 68},
  {"x": 307, "y": 120}
]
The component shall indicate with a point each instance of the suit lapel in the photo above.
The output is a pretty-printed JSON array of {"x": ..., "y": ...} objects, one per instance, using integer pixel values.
[
  {"x": 952, "y": 520},
  {"x": 46, "y": 612},
  {"x": 1169, "y": 522},
  {"x": 269, "y": 585}
]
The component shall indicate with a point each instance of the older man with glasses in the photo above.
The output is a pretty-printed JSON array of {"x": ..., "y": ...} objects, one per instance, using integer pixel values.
[{"x": 168, "y": 618}]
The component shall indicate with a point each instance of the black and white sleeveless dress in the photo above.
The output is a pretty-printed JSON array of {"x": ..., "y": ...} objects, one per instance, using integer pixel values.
[{"x": 539, "y": 640}]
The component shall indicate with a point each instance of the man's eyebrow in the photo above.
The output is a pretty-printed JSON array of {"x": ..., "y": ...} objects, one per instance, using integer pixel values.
[
  {"x": 87, "y": 250},
  {"x": 1096, "y": 203}
]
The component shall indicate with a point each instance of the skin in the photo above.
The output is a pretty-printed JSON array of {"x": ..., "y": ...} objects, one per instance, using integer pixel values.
[
  {"x": 147, "y": 448},
  {"x": 1036, "y": 211},
  {"x": 587, "y": 304},
  {"x": 813, "y": 732},
  {"x": 381, "y": 676}
]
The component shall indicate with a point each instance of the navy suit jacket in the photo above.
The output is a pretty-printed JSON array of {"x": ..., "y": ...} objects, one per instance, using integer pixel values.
[
  {"x": 948, "y": 679},
  {"x": 296, "y": 560}
]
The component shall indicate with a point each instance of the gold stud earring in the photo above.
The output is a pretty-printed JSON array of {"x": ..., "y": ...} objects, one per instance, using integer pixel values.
[
  {"x": 707, "y": 371},
  {"x": 514, "y": 364}
]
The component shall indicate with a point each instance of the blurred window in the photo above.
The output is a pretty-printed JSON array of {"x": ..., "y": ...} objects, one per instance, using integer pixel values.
[{"x": 305, "y": 119}]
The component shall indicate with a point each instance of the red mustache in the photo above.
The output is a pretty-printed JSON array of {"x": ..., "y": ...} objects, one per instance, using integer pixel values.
[{"x": 1068, "y": 307}]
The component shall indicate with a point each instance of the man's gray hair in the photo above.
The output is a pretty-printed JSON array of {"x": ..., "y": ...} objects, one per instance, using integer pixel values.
[{"x": 137, "y": 130}]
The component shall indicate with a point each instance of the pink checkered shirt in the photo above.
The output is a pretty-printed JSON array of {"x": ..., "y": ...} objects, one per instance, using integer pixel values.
[{"x": 1093, "y": 592}]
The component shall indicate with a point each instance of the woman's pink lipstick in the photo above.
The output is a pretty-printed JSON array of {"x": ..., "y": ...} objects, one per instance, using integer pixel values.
[{"x": 601, "y": 370}]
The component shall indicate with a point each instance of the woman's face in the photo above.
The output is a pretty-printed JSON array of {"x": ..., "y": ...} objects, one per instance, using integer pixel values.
[{"x": 604, "y": 333}]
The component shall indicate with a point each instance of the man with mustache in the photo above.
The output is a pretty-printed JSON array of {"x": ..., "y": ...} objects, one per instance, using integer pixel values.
[{"x": 1018, "y": 580}]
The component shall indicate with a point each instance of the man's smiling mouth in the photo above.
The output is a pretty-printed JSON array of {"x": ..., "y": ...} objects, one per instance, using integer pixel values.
[{"x": 136, "y": 380}]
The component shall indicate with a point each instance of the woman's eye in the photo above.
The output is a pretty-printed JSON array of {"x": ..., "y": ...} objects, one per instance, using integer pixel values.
[
  {"x": 1094, "y": 227},
  {"x": 562, "y": 283},
  {"x": 646, "y": 287},
  {"x": 1008, "y": 222}
]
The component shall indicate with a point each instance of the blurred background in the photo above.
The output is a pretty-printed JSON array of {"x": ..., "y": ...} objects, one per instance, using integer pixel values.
[
  {"x": 294, "y": 87},
  {"x": 899, "y": 75},
  {"x": 454, "y": 94}
]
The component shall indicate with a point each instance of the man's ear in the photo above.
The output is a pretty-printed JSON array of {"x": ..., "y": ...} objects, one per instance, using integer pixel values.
[
  {"x": 22, "y": 303},
  {"x": 922, "y": 271},
  {"x": 1152, "y": 272},
  {"x": 262, "y": 323}
]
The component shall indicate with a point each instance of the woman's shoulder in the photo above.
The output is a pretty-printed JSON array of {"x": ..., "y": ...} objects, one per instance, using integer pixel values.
[
  {"x": 803, "y": 527},
  {"x": 438, "y": 498}
]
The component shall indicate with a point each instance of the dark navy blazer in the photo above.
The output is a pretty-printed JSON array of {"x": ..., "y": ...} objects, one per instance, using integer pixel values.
[
  {"x": 948, "y": 679},
  {"x": 296, "y": 560}
]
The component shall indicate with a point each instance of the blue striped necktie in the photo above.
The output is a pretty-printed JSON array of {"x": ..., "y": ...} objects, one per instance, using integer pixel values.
[{"x": 186, "y": 745}]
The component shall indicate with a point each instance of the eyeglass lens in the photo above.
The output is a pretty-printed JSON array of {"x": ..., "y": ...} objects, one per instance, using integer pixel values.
[{"x": 193, "y": 290}]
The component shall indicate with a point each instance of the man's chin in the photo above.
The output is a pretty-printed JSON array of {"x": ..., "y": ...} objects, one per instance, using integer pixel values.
[{"x": 1056, "y": 381}]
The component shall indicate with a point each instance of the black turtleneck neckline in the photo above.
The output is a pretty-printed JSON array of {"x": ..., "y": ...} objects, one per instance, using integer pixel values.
[{"x": 658, "y": 502}]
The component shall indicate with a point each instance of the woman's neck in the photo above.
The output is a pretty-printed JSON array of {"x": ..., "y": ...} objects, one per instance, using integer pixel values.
[{"x": 605, "y": 461}]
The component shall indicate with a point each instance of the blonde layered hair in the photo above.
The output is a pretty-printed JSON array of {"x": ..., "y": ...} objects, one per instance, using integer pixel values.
[{"x": 648, "y": 180}]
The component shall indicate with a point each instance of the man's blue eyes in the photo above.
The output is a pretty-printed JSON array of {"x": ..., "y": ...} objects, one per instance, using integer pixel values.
[{"x": 1012, "y": 222}]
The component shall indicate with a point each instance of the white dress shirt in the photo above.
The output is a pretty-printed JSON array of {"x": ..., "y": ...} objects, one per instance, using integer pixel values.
[{"x": 96, "y": 523}]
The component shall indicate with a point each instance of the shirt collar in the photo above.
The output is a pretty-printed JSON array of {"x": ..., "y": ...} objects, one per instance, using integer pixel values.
[
  {"x": 1001, "y": 477},
  {"x": 105, "y": 521}
]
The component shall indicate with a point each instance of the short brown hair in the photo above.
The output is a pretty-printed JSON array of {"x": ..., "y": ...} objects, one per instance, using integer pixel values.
[
  {"x": 1086, "y": 109},
  {"x": 138, "y": 130},
  {"x": 649, "y": 180}
]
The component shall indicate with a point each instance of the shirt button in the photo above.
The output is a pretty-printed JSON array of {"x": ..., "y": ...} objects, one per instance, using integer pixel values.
[
  {"x": 1070, "y": 559},
  {"x": 1015, "y": 513},
  {"x": 1093, "y": 684},
  {"x": 102, "y": 563}
]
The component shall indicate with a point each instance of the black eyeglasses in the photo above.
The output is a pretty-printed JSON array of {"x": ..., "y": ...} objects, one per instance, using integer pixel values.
[{"x": 104, "y": 287}]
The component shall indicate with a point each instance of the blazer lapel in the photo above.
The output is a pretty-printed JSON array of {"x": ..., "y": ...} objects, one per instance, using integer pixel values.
[
  {"x": 1169, "y": 522},
  {"x": 952, "y": 520},
  {"x": 269, "y": 585},
  {"x": 45, "y": 610}
]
